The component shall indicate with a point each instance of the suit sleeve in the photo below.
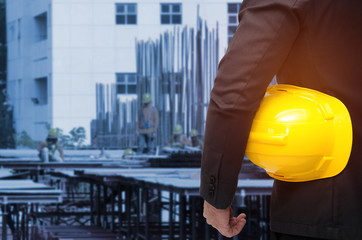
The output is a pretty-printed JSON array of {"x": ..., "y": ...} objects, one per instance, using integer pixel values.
[{"x": 266, "y": 33}]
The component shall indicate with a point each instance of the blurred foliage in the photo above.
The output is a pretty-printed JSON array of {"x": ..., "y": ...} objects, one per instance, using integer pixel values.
[
  {"x": 75, "y": 138},
  {"x": 7, "y": 131},
  {"x": 24, "y": 140}
]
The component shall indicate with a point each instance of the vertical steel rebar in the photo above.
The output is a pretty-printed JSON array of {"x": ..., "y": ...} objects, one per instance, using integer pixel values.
[
  {"x": 178, "y": 70},
  {"x": 188, "y": 65}
]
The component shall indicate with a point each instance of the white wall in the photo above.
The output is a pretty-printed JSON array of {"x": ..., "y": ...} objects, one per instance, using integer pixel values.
[{"x": 28, "y": 59}]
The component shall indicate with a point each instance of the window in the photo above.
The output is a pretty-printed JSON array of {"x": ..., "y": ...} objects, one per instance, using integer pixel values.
[
  {"x": 126, "y": 13},
  {"x": 126, "y": 83},
  {"x": 233, "y": 10},
  {"x": 41, "y": 91},
  {"x": 171, "y": 13},
  {"x": 41, "y": 32}
]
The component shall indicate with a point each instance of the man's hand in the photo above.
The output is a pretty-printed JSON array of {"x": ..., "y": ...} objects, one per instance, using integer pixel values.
[{"x": 223, "y": 220}]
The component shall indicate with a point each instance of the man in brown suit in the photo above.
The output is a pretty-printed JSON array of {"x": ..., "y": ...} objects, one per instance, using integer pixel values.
[{"x": 314, "y": 44}]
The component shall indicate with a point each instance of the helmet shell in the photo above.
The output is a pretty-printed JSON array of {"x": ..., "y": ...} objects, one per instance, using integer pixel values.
[
  {"x": 178, "y": 129},
  {"x": 53, "y": 133},
  {"x": 146, "y": 98},
  {"x": 128, "y": 151},
  {"x": 194, "y": 133},
  {"x": 300, "y": 134}
]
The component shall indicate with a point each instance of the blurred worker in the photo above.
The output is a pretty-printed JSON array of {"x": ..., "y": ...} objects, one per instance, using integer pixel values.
[
  {"x": 50, "y": 149},
  {"x": 147, "y": 124},
  {"x": 178, "y": 140},
  {"x": 195, "y": 139},
  {"x": 305, "y": 43}
]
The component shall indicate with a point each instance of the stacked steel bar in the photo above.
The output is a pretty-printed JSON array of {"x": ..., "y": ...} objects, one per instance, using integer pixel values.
[
  {"x": 178, "y": 70},
  {"x": 114, "y": 126}
]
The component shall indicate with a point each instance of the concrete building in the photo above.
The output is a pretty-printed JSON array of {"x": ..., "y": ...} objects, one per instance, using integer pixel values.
[{"x": 59, "y": 49}]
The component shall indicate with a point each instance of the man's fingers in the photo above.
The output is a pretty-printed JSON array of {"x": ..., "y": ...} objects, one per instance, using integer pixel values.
[
  {"x": 235, "y": 220},
  {"x": 231, "y": 231},
  {"x": 237, "y": 225},
  {"x": 223, "y": 220},
  {"x": 241, "y": 216}
]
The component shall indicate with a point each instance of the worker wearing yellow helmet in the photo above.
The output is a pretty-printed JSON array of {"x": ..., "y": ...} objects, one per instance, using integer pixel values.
[
  {"x": 147, "y": 125},
  {"x": 51, "y": 150},
  {"x": 195, "y": 139},
  {"x": 178, "y": 140}
]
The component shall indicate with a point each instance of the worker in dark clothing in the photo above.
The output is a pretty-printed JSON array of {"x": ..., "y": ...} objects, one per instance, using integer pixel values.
[
  {"x": 310, "y": 44},
  {"x": 195, "y": 139},
  {"x": 147, "y": 124},
  {"x": 178, "y": 140}
]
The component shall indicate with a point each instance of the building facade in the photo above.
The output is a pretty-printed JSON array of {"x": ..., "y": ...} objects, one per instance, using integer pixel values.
[{"x": 58, "y": 50}]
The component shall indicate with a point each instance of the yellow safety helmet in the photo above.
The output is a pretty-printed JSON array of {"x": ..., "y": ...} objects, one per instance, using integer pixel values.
[
  {"x": 178, "y": 130},
  {"x": 128, "y": 151},
  {"x": 146, "y": 98},
  {"x": 53, "y": 133},
  {"x": 300, "y": 134},
  {"x": 194, "y": 133}
]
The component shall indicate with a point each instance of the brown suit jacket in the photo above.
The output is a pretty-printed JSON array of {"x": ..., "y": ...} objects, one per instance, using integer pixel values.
[{"x": 309, "y": 43}]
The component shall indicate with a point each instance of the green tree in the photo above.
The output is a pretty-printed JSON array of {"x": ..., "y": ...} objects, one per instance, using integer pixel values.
[
  {"x": 77, "y": 136},
  {"x": 23, "y": 139},
  {"x": 7, "y": 131},
  {"x": 64, "y": 139},
  {"x": 74, "y": 139}
]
